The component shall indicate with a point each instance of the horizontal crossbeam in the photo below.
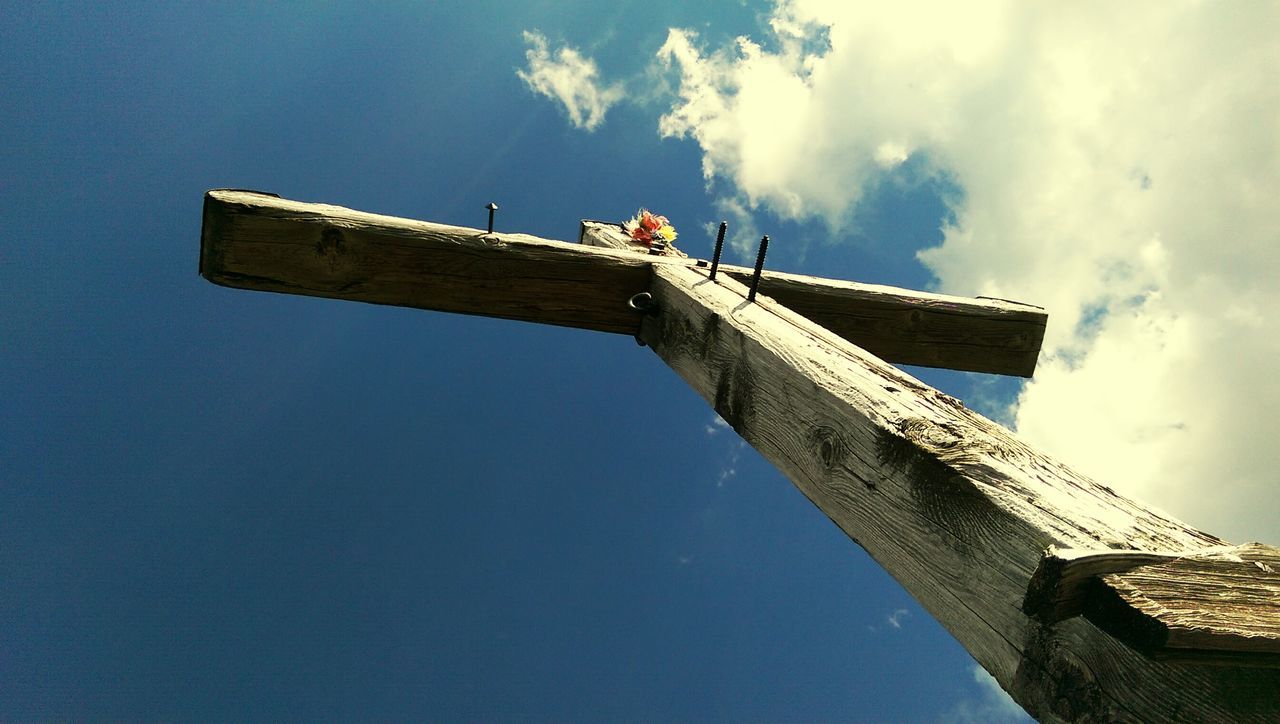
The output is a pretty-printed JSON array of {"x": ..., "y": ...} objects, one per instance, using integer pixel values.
[{"x": 261, "y": 242}]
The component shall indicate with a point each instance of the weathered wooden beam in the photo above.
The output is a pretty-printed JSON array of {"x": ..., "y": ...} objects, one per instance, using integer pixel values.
[
  {"x": 954, "y": 506},
  {"x": 1212, "y": 606},
  {"x": 261, "y": 242},
  {"x": 898, "y": 325}
]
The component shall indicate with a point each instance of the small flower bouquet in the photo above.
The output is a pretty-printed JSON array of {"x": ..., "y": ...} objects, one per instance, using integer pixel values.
[{"x": 647, "y": 227}]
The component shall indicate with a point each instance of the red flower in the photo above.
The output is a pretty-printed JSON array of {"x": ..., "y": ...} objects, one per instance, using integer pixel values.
[
  {"x": 645, "y": 227},
  {"x": 649, "y": 222}
]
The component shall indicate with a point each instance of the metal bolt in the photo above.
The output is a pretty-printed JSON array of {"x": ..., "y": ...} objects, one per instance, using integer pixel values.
[
  {"x": 715, "y": 258},
  {"x": 755, "y": 276},
  {"x": 492, "y": 207},
  {"x": 643, "y": 303}
]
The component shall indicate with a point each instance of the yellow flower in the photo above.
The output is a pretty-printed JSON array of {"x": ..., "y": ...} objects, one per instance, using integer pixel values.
[{"x": 668, "y": 232}]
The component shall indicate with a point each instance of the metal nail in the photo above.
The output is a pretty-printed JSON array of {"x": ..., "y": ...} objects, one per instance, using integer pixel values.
[
  {"x": 715, "y": 258},
  {"x": 492, "y": 207},
  {"x": 755, "y": 276}
]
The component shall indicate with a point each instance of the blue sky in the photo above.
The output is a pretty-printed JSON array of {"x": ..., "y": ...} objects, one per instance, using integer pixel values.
[{"x": 223, "y": 504}]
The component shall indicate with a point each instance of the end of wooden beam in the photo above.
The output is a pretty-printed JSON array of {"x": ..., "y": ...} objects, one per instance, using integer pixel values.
[
  {"x": 915, "y": 328},
  {"x": 210, "y": 217},
  {"x": 1217, "y": 605}
]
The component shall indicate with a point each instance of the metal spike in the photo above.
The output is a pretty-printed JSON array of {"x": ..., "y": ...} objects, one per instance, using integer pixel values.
[
  {"x": 715, "y": 258},
  {"x": 755, "y": 276}
]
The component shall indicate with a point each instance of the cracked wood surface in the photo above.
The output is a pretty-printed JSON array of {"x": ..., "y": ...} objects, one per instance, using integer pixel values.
[
  {"x": 261, "y": 242},
  {"x": 955, "y": 507}
]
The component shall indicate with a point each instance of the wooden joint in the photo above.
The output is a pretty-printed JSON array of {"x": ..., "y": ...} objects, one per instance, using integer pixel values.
[
  {"x": 988, "y": 335},
  {"x": 1218, "y": 605}
]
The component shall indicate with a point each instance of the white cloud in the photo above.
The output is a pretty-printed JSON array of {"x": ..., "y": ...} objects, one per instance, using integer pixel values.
[
  {"x": 890, "y": 154},
  {"x": 717, "y": 425},
  {"x": 743, "y": 235},
  {"x": 568, "y": 77},
  {"x": 730, "y": 469},
  {"x": 733, "y": 451},
  {"x": 1120, "y": 165},
  {"x": 895, "y": 618},
  {"x": 991, "y": 705}
]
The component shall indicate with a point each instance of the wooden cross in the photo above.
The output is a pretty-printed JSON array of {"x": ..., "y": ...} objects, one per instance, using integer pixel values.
[{"x": 1083, "y": 604}]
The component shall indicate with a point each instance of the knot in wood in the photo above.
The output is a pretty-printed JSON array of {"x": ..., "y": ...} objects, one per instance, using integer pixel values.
[
  {"x": 331, "y": 247},
  {"x": 829, "y": 444},
  {"x": 929, "y": 434}
]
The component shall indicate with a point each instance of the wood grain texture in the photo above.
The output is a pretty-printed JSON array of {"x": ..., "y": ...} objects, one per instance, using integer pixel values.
[
  {"x": 1213, "y": 605},
  {"x": 261, "y": 242},
  {"x": 1219, "y": 607},
  {"x": 898, "y": 325},
  {"x": 955, "y": 507},
  {"x": 1061, "y": 581}
]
